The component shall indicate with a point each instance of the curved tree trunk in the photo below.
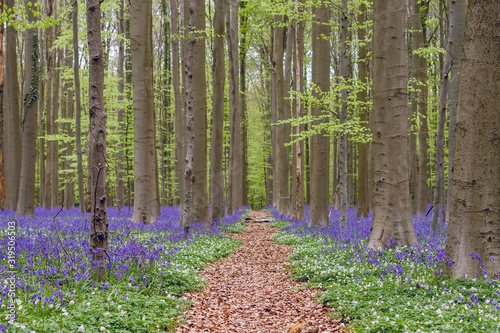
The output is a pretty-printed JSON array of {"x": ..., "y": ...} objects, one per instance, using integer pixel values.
[
  {"x": 475, "y": 207},
  {"x": 392, "y": 220}
]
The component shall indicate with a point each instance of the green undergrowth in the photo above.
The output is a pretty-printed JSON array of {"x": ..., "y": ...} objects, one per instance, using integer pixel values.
[
  {"x": 122, "y": 307},
  {"x": 388, "y": 294}
]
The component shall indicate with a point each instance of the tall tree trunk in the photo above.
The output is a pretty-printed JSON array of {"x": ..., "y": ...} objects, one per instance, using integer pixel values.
[
  {"x": 200, "y": 112},
  {"x": 299, "y": 146},
  {"x": 443, "y": 94},
  {"x": 145, "y": 160},
  {"x": 12, "y": 128},
  {"x": 179, "y": 116},
  {"x": 320, "y": 143},
  {"x": 78, "y": 111},
  {"x": 289, "y": 196},
  {"x": 217, "y": 206},
  {"x": 26, "y": 199},
  {"x": 236, "y": 142},
  {"x": 69, "y": 186},
  {"x": 459, "y": 7},
  {"x": 475, "y": 206},
  {"x": 41, "y": 126},
  {"x": 391, "y": 199},
  {"x": 2, "y": 179},
  {"x": 97, "y": 162},
  {"x": 362, "y": 183},
  {"x": 243, "y": 99},
  {"x": 420, "y": 71},
  {"x": 54, "y": 152},
  {"x": 120, "y": 186},
  {"x": 344, "y": 73}
]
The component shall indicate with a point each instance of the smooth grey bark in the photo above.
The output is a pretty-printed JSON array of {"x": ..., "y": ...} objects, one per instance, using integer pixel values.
[
  {"x": 392, "y": 222},
  {"x": 200, "y": 191},
  {"x": 54, "y": 151},
  {"x": 344, "y": 73},
  {"x": 299, "y": 112},
  {"x": 120, "y": 186},
  {"x": 243, "y": 47},
  {"x": 69, "y": 186},
  {"x": 78, "y": 110},
  {"x": 217, "y": 205},
  {"x": 320, "y": 144},
  {"x": 12, "y": 129},
  {"x": 362, "y": 183},
  {"x": 2, "y": 77},
  {"x": 179, "y": 128},
  {"x": 97, "y": 143},
  {"x": 443, "y": 94},
  {"x": 459, "y": 7},
  {"x": 145, "y": 162},
  {"x": 287, "y": 129},
  {"x": 26, "y": 199},
  {"x": 475, "y": 206},
  {"x": 235, "y": 200}
]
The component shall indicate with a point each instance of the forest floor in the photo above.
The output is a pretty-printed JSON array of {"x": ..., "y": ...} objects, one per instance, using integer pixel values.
[{"x": 253, "y": 291}]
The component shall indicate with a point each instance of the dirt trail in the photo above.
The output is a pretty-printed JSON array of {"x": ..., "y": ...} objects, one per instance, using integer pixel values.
[{"x": 252, "y": 291}]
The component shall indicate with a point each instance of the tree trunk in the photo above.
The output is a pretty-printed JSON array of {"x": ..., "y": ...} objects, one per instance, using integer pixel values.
[
  {"x": 392, "y": 222},
  {"x": 120, "y": 187},
  {"x": 217, "y": 206},
  {"x": 12, "y": 128},
  {"x": 236, "y": 142},
  {"x": 473, "y": 232},
  {"x": 443, "y": 94},
  {"x": 320, "y": 143},
  {"x": 243, "y": 100},
  {"x": 299, "y": 146},
  {"x": 2, "y": 180},
  {"x": 26, "y": 200},
  {"x": 97, "y": 162},
  {"x": 145, "y": 160},
  {"x": 456, "y": 53},
  {"x": 69, "y": 186},
  {"x": 362, "y": 183},
  {"x": 179, "y": 116},
  {"x": 78, "y": 111},
  {"x": 344, "y": 73},
  {"x": 289, "y": 196},
  {"x": 200, "y": 112},
  {"x": 54, "y": 152},
  {"x": 420, "y": 73}
]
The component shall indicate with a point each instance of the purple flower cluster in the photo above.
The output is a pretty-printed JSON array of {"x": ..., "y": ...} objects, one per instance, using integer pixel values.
[{"x": 46, "y": 271}]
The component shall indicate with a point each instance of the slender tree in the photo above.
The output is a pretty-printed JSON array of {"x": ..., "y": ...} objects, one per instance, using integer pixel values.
[
  {"x": 320, "y": 144},
  {"x": 145, "y": 180},
  {"x": 2, "y": 184},
  {"x": 78, "y": 109},
  {"x": 217, "y": 206},
  {"x": 473, "y": 232},
  {"x": 97, "y": 143},
  {"x": 236, "y": 118},
  {"x": 120, "y": 185},
  {"x": 343, "y": 147},
  {"x": 200, "y": 111},
  {"x": 391, "y": 201},
  {"x": 362, "y": 183},
  {"x": 459, "y": 8}
]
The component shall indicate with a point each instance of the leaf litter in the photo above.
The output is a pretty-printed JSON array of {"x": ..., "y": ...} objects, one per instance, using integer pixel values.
[{"x": 253, "y": 291}]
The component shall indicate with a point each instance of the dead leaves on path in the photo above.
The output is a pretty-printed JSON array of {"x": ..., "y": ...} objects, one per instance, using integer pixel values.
[{"x": 251, "y": 291}]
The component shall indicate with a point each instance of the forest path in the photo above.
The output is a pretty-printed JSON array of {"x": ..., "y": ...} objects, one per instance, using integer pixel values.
[{"x": 252, "y": 291}]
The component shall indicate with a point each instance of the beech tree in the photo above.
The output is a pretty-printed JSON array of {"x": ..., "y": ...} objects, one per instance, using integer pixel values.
[
  {"x": 97, "y": 162},
  {"x": 217, "y": 206},
  {"x": 26, "y": 199},
  {"x": 320, "y": 144},
  {"x": 11, "y": 122},
  {"x": 391, "y": 196},
  {"x": 145, "y": 162},
  {"x": 473, "y": 231}
]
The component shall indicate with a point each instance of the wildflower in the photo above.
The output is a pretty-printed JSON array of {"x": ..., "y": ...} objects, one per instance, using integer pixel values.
[{"x": 81, "y": 329}]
